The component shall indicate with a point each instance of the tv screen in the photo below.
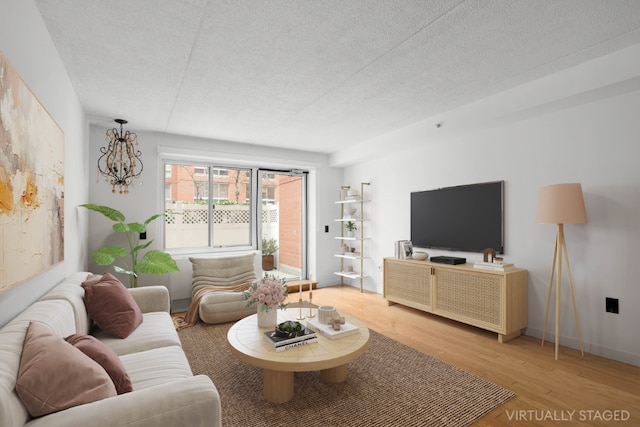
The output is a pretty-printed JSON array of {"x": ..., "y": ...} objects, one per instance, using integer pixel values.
[{"x": 463, "y": 218}]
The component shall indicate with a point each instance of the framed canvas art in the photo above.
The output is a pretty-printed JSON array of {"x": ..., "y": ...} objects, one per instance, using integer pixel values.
[{"x": 31, "y": 183}]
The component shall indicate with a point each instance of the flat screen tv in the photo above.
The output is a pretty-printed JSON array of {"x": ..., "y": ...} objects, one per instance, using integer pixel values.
[{"x": 463, "y": 218}]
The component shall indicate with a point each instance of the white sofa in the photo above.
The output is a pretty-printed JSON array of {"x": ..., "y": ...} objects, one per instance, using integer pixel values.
[{"x": 165, "y": 392}]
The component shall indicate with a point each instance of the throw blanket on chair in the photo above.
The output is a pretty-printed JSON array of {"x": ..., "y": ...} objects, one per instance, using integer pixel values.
[{"x": 192, "y": 316}]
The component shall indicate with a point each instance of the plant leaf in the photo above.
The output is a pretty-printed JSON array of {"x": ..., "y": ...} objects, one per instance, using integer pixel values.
[
  {"x": 137, "y": 227},
  {"x": 153, "y": 218},
  {"x": 157, "y": 262},
  {"x": 106, "y": 255},
  {"x": 120, "y": 227},
  {"x": 110, "y": 213},
  {"x": 141, "y": 247}
]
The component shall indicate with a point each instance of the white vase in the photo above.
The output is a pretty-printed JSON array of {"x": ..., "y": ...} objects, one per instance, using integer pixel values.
[{"x": 267, "y": 318}]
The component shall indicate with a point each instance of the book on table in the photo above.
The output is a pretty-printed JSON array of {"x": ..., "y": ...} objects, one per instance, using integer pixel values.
[
  {"x": 280, "y": 343},
  {"x": 300, "y": 343},
  {"x": 493, "y": 266},
  {"x": 325, "y": 330}
]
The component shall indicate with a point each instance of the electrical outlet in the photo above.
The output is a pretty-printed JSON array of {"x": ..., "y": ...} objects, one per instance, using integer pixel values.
[
  {"x": 326, "y": 228},
  {"x": 143, "y": 236},
  {"x": 612, "y": 305}
]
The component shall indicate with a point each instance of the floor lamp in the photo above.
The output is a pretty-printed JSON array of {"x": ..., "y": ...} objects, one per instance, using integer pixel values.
[{"x": 561, "y": 204}]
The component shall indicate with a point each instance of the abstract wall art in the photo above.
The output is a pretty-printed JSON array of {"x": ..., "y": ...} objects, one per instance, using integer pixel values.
[{"x": 31, "y": 183}]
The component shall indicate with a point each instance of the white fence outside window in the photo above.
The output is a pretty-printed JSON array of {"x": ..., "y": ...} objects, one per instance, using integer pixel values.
[{"x": 187, "y": 226}]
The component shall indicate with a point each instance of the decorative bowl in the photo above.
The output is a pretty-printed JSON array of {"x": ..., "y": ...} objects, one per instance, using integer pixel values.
[
  {"x": 289, "y": 329},
  {"x": 420, "y": 256}
]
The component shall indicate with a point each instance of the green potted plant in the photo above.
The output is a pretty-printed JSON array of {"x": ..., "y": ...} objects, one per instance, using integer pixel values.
[
  {"x": 269, "y": 248},
  {"x": 351, "y": 227},
  {"x": 153, "y": 261}
]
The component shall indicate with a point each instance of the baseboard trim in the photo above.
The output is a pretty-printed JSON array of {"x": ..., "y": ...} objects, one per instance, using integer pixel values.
[{"x": 595, "y": 349}]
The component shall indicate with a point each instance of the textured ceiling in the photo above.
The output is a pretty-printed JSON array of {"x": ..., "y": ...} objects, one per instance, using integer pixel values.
[{"x": 316, "y": 74}]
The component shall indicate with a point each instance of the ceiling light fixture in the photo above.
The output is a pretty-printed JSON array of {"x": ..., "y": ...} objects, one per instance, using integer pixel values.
[{"x": 120, "y": 160}]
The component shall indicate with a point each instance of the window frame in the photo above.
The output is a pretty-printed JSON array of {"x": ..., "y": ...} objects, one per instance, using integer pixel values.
[{"x": 212, "y": 165}]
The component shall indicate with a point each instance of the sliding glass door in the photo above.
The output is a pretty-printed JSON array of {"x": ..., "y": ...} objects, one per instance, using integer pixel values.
[{"x": 283, "y": 228}]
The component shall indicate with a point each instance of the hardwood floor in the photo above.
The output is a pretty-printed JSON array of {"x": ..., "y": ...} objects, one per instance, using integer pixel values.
[{"x": 571, "y": 391}]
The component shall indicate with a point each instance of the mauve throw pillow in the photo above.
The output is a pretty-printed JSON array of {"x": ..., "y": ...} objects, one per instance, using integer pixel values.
[
  {"x": 106, "y": 357},
  {"x": 55, "y": 375},
  {"x": 111, "y": 306}
]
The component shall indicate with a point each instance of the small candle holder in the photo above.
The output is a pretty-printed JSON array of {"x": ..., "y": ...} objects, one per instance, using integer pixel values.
[
  {"x": 310, "y": 315},
  {"x": 301, "y": 317}
]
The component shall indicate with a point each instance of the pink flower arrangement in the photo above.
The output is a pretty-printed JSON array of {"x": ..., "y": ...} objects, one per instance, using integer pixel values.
[{"x": 268, "y": 292}]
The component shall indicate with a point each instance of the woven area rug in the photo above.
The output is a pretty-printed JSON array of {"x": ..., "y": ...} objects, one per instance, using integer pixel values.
[{"x": 389, "y": 385}]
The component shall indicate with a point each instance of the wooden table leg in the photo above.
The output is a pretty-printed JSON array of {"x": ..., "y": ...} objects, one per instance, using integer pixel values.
[
  {"x": 334, "y": 375},
  {"x": 278, "y": 386}
]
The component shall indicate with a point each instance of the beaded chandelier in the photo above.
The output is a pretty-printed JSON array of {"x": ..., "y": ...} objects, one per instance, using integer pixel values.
[{"x": 120, "y": 160}]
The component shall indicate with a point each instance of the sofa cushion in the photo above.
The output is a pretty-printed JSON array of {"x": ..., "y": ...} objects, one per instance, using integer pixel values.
[
  {"x": 106, "y": 357},
  {"x": 157, "y": 330},
  {"x": 54, "y": 375},
  {"x": 157, "y": 366},
  {"x": 111, "y": 306},
  {"x": 56, "y": 315},
  {"x": 70, "y": 289}
]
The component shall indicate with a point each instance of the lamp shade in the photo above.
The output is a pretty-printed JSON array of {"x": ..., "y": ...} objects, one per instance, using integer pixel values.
[{"x": 561, "y": 204}]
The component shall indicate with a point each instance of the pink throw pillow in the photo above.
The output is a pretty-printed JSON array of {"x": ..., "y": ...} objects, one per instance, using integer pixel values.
[
  {"x": 106, "y": 357},
  {"x": 111, "y": 306},
  {"x": 54, "y": 375}
]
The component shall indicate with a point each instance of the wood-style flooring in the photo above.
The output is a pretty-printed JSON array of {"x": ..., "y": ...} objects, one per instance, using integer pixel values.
[{"x": 571, "y": 391}]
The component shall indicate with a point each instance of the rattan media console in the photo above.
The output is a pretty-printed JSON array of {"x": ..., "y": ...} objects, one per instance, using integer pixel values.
[{"x": 491, "y": 300}]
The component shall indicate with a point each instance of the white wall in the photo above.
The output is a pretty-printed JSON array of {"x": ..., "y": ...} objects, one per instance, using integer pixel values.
[
  {"x": 588, "y": 136},
  {"x": 24, "y": 40},
  {"x": 146, "y": 200}
]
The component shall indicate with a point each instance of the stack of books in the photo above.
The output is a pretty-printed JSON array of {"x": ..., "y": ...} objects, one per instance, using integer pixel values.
[
  {"x": 280, "y": 344},
  {"x": 346, "y": 329},
  {"x": 493, "y": 266}
]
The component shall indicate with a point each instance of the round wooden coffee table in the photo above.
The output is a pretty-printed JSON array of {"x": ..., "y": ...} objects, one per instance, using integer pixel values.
[{"x": 330, "y": 357}]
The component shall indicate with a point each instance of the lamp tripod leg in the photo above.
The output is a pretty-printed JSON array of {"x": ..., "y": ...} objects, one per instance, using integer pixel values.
[
  {"x": 573, "y": 299},
  {"x": 546, "y": 313},
  {"x": 560, "y": 245}
]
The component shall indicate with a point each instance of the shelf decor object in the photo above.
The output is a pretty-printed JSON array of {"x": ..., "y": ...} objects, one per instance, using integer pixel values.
[
  {"x": 561, "y": 204},
  {"x": 120, "y": 160}
]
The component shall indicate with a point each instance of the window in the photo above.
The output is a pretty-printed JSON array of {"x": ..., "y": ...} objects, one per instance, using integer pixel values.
[
  {"x": 268, "y": 194},
  {"x": 210, "y": 206},
  {"x": 199, "y": 171},
  {"x": 220, "y": 191},
  {"x": 167, "y": 192},
  {"x": 201, "y": 191},
  {"x": 222, "y": 208}
]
